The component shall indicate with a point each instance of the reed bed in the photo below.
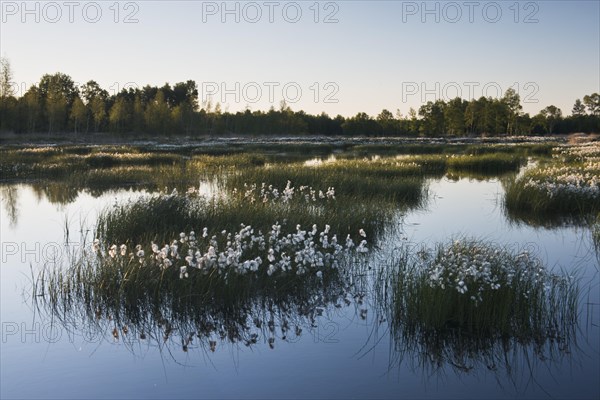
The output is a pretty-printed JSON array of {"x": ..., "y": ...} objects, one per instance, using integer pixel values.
[
  {"x": 468, "y": 302},
  {"x": 486, "y": 163},
  {"x": 58, "y": 162},
  {"x": 196, "y": 290},
  {"x": 159, "y": 216},
  {"x": 567, "y": 186}
]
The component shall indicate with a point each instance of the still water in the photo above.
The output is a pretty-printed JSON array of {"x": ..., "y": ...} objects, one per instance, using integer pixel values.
[{"x": 343, "y": 350}]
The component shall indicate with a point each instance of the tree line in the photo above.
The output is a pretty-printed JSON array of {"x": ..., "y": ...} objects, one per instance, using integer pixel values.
[{"x": 56, "y": 105}]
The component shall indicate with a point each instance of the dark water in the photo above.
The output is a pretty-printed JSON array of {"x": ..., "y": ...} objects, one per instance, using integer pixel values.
[{"x": 344, "y": 350}]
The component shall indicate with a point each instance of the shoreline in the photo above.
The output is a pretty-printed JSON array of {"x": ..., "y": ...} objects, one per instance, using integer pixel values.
[{"x": 44, "y": 140}]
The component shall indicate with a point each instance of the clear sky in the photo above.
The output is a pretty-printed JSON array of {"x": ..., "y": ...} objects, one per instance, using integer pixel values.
[{"x": 340, "y": 57}]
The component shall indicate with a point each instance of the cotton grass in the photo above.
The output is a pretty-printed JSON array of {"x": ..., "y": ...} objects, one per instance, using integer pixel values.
[{"x": 468, "y": 301}]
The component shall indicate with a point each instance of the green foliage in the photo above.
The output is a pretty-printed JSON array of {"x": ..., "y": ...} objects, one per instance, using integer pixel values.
[{"x": 51, "y": 106}]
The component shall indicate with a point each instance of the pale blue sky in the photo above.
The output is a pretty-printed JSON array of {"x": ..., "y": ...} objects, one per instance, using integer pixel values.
[{"x": 380, "y": 54}]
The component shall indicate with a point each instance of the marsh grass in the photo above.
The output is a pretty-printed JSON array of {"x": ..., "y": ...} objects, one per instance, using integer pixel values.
[
  {"x": 568, "y": 186},
  {"x": 351, "y": 180},
  {"x": 365, "y": 150},
  {"x": 294, "y": 148},
  {"x": 398, "y": 180},
  {"x": 63, "y": 162},
  {"x": 541, "y": 193},
  {"x": 196, "y": 316},
  {"x": 486, "y": 163},
  {"x": 129, "y": 175},
  {"x": 131, "y": 295},
  {"x": 468, "y": 302},
  {"x": 522, "y": 149},
  {"x": 59, "y": 162},
  {"x": 151, "y": 218},
  {"x": 159, "y": 217},
  {"x": 478, "y": 176}
]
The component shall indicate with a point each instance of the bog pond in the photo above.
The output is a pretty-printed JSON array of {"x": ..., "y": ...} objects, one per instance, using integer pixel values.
[{"x": 311, "y": 271}]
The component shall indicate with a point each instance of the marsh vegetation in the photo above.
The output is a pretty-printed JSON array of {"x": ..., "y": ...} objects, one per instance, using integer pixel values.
[
  {"x": 469, "y": 303},
  {"x": 251, "y": 247}
]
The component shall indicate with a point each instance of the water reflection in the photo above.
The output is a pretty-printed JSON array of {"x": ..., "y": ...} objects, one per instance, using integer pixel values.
[
  {"x": 187, "y": 328},
  {"x": 186, "y": 322},
  {"x": 63, "y": 193},
  {"x": 208, "y": 318},
  {"x": 548, "y": 221},
  {"x": 10, "y": 201},
  {"x": 472, "y": 306},
  {"x": 60, "y": 193}
]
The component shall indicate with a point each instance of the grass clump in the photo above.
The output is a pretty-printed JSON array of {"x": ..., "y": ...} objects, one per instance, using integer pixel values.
[
  {"x": 573, "y": 188},
  {"x": 354, "y": 180},
  {"x": 234, "y": 285},
  {"x": 523, "y": 149},
  {"x": 468, "y": 298},
  {"x": 497, "y": 163},
  {"x": 569, "y": 186},
  {"x": 111, "y": 159},
  {"x": 158, "y": 217}
]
